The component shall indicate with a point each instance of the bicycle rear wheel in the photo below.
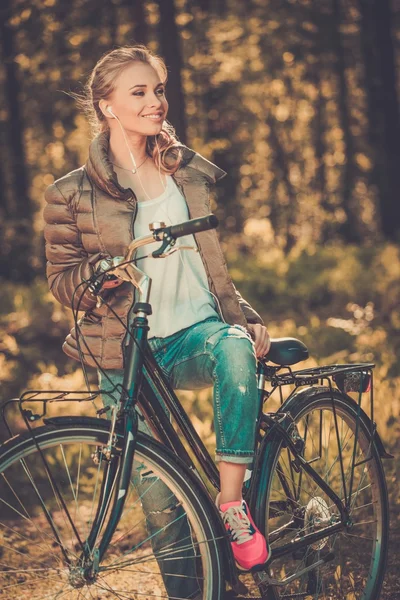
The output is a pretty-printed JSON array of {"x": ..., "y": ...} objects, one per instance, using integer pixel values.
[
  {"x": 295, "y": 505},
  {"x": 165, "y": 544}
]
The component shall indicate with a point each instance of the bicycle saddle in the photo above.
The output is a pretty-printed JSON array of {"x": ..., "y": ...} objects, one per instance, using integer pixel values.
[{"x": 286, "y": 351}]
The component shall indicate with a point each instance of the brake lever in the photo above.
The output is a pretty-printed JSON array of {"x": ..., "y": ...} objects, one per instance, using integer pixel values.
[
  {"x": 119, "y": 264},
  {"x": 175, "y": 250},
  {"x": 167, "y": 241}
]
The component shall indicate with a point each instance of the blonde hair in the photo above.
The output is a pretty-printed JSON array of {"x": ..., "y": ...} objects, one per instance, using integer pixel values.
[{"x": 101, "y": 84}]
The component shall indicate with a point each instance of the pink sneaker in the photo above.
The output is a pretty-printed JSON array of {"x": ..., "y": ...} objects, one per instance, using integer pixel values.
[{"x": 248, "y": 544}]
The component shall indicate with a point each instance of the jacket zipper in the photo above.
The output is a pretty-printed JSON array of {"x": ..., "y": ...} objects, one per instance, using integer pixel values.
[{"x": 125, "y": 341}]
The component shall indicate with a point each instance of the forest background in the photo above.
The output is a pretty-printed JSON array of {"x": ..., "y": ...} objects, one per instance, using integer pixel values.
[{"x": 298, "y": 101}]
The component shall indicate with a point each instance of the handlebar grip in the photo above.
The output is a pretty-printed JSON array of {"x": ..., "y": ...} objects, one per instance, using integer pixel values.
[{"x": 194, "y": 226}]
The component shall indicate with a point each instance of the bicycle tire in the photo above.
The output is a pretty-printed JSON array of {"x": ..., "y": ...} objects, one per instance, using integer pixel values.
[
  {"x": 31, "y": 562},
  {"x": 356, "y": 557}
]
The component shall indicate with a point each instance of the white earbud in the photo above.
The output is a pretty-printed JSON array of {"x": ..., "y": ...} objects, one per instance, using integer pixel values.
[{"x": 109, "y": 108}]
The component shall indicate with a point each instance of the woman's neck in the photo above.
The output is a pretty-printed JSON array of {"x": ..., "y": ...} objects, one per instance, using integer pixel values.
[{"x": 118, "y": 152}]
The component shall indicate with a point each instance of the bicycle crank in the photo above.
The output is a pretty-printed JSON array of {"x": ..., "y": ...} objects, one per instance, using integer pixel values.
[{"x": 265, "y": 581}]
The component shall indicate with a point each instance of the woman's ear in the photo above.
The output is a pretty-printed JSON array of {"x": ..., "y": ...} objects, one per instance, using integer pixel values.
[{"x": 103, "y": 107}]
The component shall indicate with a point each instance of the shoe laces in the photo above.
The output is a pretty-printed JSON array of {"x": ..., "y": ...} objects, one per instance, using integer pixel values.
[{"x": 241, "y": 529}]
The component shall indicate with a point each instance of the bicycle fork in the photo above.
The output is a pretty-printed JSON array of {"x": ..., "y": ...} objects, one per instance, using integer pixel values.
[{"x": 117, "y": 473}]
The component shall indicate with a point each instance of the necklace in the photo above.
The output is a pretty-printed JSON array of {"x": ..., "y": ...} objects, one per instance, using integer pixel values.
[{"x": 125, "y": 169}]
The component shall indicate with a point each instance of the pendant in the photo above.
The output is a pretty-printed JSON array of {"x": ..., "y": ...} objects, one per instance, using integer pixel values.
[{"x": 133, "y": 171}]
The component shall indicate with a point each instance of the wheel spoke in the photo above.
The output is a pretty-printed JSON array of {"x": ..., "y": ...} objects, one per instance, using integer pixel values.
[
  {"x": 353, "y": 568},
  {"x": 164, "y": 537}
]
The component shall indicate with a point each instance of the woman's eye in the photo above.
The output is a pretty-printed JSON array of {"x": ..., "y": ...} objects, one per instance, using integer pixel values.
[{"x": 160, "y": 92}]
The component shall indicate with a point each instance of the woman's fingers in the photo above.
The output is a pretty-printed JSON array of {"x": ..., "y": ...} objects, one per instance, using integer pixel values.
[{"x": 262, "y": 341}]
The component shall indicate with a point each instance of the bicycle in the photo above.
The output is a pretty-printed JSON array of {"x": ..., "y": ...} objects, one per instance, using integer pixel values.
[{"x": 72, "y": 522}]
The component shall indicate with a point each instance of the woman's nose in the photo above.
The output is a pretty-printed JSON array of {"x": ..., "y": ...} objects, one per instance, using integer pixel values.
[{"x": 155, "y": 101}]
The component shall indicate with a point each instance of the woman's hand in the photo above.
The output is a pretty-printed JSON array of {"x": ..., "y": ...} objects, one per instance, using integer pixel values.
[
  {"x": 262, "y": 341},
  {"x": 109, "y": 281}
]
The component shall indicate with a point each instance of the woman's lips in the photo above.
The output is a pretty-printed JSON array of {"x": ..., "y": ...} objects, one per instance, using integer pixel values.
[{"x": 154, "y": 117}]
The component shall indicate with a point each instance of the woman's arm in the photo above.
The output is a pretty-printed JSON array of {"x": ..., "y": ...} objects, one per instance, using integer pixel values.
[
  {"x": 251, "y": 315},
  {"x": 68, "y": 264}
]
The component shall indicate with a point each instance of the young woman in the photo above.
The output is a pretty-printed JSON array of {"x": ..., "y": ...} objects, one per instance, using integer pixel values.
[{"x": 201, "y": 329}]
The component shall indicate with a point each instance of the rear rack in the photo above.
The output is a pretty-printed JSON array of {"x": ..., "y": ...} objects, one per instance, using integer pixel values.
[
  {"x": 314, "y": 374},
  {"x": 38, "y": 402},
  {"x": 357, "y": 377}
]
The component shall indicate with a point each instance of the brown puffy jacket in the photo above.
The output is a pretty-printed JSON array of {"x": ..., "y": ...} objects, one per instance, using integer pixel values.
[{"x": 90, "y": 216}]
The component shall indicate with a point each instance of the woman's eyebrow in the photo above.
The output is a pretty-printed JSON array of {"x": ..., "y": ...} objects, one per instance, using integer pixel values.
[{"x": 144, "y": 85}]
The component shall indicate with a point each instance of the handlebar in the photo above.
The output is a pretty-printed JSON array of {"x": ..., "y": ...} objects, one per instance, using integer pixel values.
[
  {"x": 169, "y": 235},
  {"x": 192, "y": 226},
  {"x": 123, "y": 267}
]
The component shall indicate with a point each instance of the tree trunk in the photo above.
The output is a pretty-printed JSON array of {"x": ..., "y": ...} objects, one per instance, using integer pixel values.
[
  {"x": 211, "y": 105},
  {"x": 383, "y": 109},
  {"x": 110, "y": 22},
  {"x": 4, "y": 174},
  {"x": 350, "y": 227},
  {"x": 281, "y": 166},
  {"x": 141, "y": 30},
  {"x": 171, "y": 52},
  {"x": 20, "y": 206},
  {"x": 320, "y": 115},
  {"x": 391, "y": 122}
]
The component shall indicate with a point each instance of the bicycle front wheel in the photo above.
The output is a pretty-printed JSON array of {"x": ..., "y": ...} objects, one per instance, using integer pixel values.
[
  {"x": 165, "y": 544},
  {"x": 338, "y": 446}
]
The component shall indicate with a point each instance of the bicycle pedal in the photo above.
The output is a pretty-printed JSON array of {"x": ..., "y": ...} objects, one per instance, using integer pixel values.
[{"x": 239, "y": 589}]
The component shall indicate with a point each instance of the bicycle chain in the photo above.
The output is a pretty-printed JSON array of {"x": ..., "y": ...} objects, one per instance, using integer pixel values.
[
  {"x": 298, "y": 595},
  {"x": 304, "y": 595}
]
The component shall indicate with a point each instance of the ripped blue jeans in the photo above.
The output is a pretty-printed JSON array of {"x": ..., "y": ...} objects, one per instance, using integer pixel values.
[
  {"x": 212, "y": 352},
  {"x": 207, "y": 353}
]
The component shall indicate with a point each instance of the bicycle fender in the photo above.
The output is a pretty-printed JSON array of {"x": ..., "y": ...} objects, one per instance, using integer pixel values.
[
  {"x": 272, "y": 440},
  {"x": 309, "y": 392}
]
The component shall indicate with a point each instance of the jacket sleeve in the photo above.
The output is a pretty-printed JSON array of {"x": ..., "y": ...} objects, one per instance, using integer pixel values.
[
  {"x": 250, "y": 314},
  {"x": 68, "y": 264},
  {"x": 214, "y": 174}
]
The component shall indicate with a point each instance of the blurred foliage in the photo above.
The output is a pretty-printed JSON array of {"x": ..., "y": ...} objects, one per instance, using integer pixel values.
[
  {"x": 265, "y": 96},
  {"x": 343, "y": 302},
  {"x": 295, "y": 99}
]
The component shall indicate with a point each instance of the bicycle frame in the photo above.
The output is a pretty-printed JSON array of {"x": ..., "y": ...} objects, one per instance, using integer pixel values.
[
  {"x": 138, "y": 390},
  {"x": 147, "y": 391},
  {"x": 139, "y": 357},
  {"x": 145, "y": 385}
]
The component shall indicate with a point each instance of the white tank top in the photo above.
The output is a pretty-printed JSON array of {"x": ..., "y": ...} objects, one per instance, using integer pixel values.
[{"x": 179, "y": 294}]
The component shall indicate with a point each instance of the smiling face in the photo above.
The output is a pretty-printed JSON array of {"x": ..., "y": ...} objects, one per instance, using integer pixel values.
[{"x": 138, "y": 100}]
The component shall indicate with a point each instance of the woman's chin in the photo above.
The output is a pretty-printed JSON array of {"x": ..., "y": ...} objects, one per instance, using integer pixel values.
[
  {"x": 156, "y": 126},
  {"x": 152, "y": 129}
]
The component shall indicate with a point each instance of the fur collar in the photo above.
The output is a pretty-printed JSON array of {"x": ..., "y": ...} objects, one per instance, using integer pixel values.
[{"x": 101, "y": 172}]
